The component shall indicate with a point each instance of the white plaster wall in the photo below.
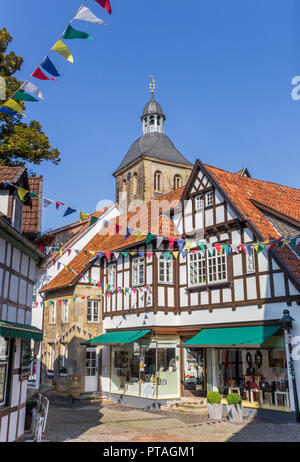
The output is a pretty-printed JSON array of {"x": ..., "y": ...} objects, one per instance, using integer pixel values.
[
  {"x": 161, "y": 295},
  {"x": 215, "y": 296},
  {"x": 13, "y": 292},
  {"x": 24, "y": 265},
  {"x": 251, "y": 288},
  {"x": 11, "y": 314},
  {"x": 2, "y": 250},
  {"x": 170, "y": 297},
  {"x": 16, "y": 259},
  {"x": 238, "y": 289},
  {"x": 279, "y": 287},
  {"x": 209, "y": 221},
  {"x": 263, "y": 264},
  {"x": 21, "y": 421},
  {"x": 265, "y": 289},
  {"x": 237, "y": 265},
  {"x": 12, "y": 426},
  {"x": 3, "y": 429},
  {"x": 220, "y": 214}
]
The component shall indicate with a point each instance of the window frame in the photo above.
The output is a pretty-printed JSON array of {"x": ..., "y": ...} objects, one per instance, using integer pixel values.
[
  {"x": 208, "y": 261},
  {"x": 157, "y": 181},
  {"x": 92, "y": 313},
  {"x": 209, "y": 199},
  {"x": 52, "y": 319},
  {"x": 165, "y": 264},
  {"x": 137, "y": 264},
  {"x": 51, "y": 359},
  {"x": 66, "y": 309},
  {"x": 5, "y": 363},
  {"x": 250, "y": 270},
  {"x": 200, "y": 196},
  {"x": 110, "y": 267}
]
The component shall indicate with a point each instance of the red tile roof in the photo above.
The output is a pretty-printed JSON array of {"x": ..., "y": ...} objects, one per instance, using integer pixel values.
[
  {"x": 32, "y": 215},
  {"x": 147, "y": 219},
  {"x": 11, "y": 174}
]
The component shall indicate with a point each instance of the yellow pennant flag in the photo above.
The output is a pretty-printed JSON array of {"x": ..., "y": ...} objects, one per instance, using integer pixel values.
[
  {"x": 12, "y": 104},
  {"x": 22, "y": 193},
  {"x": 139, "y": 234},
  {"x": 63, "y": 50},
  {"x": 176, "y": 253},
  {"x": 92, "y": 252},
  {"x": 132, "y": 253},
  {"x": 188, "y": 245},
  {"x": 83, "y": 216}
]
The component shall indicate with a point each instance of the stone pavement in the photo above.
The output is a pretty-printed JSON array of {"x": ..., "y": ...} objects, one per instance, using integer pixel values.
[{"x": 93, "y": 422}]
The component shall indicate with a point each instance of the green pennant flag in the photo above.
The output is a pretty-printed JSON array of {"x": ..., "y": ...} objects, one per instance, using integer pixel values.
[
  {"x": 125, "y": 254},
  {"x": 74, "y": 300},
  {"x": 225, "y": 247},
  {"x": 149, "y": 238},
  {"x": 31, "y": 194},
  {"x": 201, "y": 245},
  {"x": 71, "y": 33},
  {"x": 22, "y": 96},
  {"x": 93, "y": 220}
]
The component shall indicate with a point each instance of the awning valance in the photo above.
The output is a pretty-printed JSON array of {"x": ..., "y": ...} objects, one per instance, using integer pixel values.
[
  {"x": 252, "y": 336},
  {"x": 16, "y": 330},
  {"x": 117, "y": 337}
]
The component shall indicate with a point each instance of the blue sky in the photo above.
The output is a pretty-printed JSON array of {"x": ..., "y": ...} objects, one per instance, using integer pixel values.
[{"x": 223, "y": 71}]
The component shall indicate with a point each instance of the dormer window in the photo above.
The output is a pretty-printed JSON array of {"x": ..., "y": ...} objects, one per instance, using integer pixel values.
[
  {"x": 199, "y": 202},
  {"x": 177, "y": 181}
]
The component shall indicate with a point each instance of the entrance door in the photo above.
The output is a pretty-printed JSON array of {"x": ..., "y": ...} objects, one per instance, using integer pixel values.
[{"x": 91, "y": 370}]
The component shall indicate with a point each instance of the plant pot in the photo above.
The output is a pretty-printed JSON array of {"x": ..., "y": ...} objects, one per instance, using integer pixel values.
[
  {"x": 215, "y": 411},
  {"x": 235, "y": 412},
  {"x": 28, "y": 421}
]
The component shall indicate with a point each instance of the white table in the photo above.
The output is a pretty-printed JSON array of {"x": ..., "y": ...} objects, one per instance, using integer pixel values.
[{"x": 255, "y": 390}]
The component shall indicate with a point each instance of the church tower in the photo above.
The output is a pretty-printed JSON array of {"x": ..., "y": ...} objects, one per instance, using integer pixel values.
[{"x": 152, "y": 166}]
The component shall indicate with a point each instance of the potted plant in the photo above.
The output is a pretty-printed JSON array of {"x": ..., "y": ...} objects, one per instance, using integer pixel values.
[
  {"x": 30, "y": 405},
  {"x": 235, "y": 407},
  {"x": 215, "y": 407}
]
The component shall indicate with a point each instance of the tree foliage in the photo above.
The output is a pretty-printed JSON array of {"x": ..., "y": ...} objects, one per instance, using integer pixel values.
[{"x": 20, "y": 143}]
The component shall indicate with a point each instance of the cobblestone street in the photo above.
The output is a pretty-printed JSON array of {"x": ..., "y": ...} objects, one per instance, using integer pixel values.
[{"x": 91, "y": 422}]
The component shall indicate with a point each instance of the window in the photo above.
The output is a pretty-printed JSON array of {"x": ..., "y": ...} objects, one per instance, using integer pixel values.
[
  {"x": 52, "y": 313},
  {"x": 209, "y": 199},
  {"x": 207, "y": 269},
  {"x": 198, "y": 202},
  {"x": 4, "y": 359},
  {"x": 51, "y": 359},
  {"x": 197, "y": 269},
  {"x": 17, "y": 214},
  {"x": 111, "y": 277},
  {"x": 134, "y": 183},
  {"x": 124, "y": 186},
  {"x": 138, "y": 271},
  {"x": 93, "y": 311},
  {"x": 165, "y": 270},
  {"x": 157, "y": 181},
  {"x": 250, "y": 261},
  {"x": 217, "y": 270},
  {"x": 177, "y": 181},
  {"x": 66, "y": 311},
  {"x": 26, "y": 358},
  {"x": 63, "y": 359}
]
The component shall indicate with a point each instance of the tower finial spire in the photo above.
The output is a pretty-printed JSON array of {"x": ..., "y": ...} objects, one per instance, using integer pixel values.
[{"x": 152, "y": 86}]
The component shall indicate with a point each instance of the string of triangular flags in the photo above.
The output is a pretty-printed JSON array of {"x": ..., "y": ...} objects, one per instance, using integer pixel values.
[
  {"x": 24, "y": 193},
  {"x": 108, "y": 291},
  {"x": 26, "y": 91},
  {"x": 184, "y": 247}
]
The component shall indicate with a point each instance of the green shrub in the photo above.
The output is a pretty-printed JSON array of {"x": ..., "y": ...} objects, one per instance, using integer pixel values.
[
  {"x": 213, "y": 397},
  {"x": 234, "y": 398},
  {"x": 30, "y": 405}
]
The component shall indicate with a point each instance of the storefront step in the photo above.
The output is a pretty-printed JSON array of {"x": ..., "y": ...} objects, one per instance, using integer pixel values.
[
  {"x": 92, "y": 397},
  {"x": 196, "y": 407}
]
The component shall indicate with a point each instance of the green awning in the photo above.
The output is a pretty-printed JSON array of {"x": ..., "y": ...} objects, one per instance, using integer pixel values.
[
  {"x": 16, "y": 330},
  {"x": 253, "y": 336},
  {"x": 117, "y": 337}
]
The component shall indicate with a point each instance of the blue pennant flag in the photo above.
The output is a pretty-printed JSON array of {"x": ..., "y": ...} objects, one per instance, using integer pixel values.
[
  {"x": 69, "y": 211},
  {"x": 99, "y": 254},
  {"x": 128, "y": 233},
  {"x": 180, "y": 243},
  {"x": 49, "y": 67},
  {"x": 7, "y": 111}
]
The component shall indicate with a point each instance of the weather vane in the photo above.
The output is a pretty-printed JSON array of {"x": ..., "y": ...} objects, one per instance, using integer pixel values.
[{"x": 152, "y": 84}]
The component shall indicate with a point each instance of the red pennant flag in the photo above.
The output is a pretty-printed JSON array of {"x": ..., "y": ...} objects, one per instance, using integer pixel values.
[
  {"x": 149, "y": 254},
  {"x": 218, "y": 247},
  {"x": 41, "y": 247},
  {"x": 37, "y": 304},
  {"x": 58, "y": 204},
  {"x": 107, "y": 254},
  {"x": 98, "y": 283},
  {"x": 117, "y": 228},
  {"x": 38, "y": 74},
  {"x": 171, "y": 241},
  {"x": 105, "y": 4},
  {"x": 59, "y": 302},
  {"x": 69, "y": 251}
]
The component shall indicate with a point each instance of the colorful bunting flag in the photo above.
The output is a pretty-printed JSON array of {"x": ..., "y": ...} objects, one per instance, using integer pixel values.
[
  {"x": 57, "y": 204},
  {"x": 83, "y": 216},
  {"x": 171, "y": 242},
  {"x": 180, "y": 243},
  {"x": 39, "y": 74},
  {"x": 22, "y": 193},
  {"x": 71, "y": 33},
  {"x": 29, "y": 86},
  {"x": 11, "y": 104},
  {"x": 149, "y": 238},
  {"x": 63, "y": 50},
  {"x": 93, "y": 220},
  {"x": 7, "y": 111},
  {"x": 69, "y": 211},
  {"x": 85, "y": 14},
  {"x": 159, "y": 240},
  {"x": 47, "y": 202},
  {"x": 22, "y": 96},
  {"x": 49, "y": 67},
  {"x": 105, "y": 4}
]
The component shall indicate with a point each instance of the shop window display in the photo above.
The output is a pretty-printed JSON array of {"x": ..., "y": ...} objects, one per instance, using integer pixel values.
[
  {"x": 145, "y": 369},
  {"x": 194, "y": 369},
  {"x": 258, "y": 375}
]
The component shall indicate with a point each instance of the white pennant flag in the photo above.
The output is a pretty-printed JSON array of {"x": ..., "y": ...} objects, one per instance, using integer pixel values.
[
  {"x": 159, "y": 240},
  {"x": 116, "y": 255},
  {"x": 46, "y": 202},
  {"x": 85, "y": 14},
  {"x": 29, "y": 86},
  {"x": 158, "y": 254}
]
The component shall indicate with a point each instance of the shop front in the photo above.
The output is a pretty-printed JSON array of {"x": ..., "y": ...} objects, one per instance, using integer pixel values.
[
  {"x": 250, "y": 361},
  {"x": 142, "y": 364}
]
